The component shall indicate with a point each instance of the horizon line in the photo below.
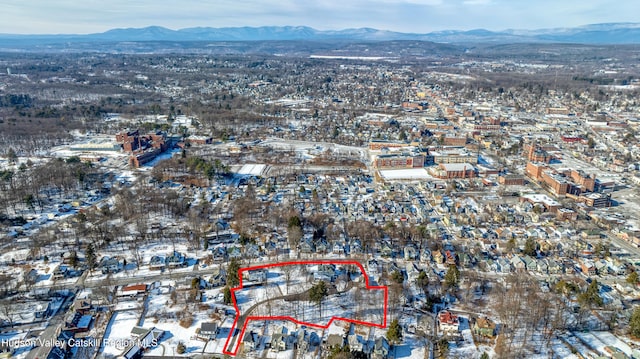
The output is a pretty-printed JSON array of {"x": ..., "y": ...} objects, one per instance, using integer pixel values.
[{"x": 313, "y": 28}]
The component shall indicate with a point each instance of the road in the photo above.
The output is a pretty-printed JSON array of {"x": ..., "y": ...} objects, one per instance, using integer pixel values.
[
  {"x": 243, "y": 318},
  {"x": 619, "y": 242},
  {"x": 47, "y": 338}
]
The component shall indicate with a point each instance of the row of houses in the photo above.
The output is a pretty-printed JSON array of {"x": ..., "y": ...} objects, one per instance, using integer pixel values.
[
  {"x": 305, "y": 341},
  {"x": 173, "y": 260},
  {"x": 449, "y": 324}
]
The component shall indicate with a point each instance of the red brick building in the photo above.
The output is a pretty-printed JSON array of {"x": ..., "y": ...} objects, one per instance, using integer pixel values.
[
  {"x": 404, "y": 160},
  {"x": 379, "y": 145},
  {"x": 561, "y": 183},
  {"x": 511, "y": 180},
  {"x": 454, "y": 141},
  {"x": 199, "y": 140},
  {"x": 536, "y": 154},
  {"x": 454, "y": 170}
]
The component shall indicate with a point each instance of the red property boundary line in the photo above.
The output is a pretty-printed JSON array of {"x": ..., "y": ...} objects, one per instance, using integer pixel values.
[{"x": 287, "y": 318}]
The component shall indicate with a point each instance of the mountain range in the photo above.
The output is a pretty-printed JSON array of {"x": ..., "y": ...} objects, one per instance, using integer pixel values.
[{"x": 611, "y": 33}]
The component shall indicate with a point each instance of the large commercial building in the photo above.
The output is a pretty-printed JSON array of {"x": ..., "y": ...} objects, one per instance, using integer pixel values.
[
  {"x": 561, "y": 182},
  {"x": 452, "y": 155},
  {"x": 379, "y": 145},
  {"x": 536, "y": 153},
  {"x": 453, "y": 170},
  {"x": 398, "y": 160},
  {"x": 143, "y": 148}
]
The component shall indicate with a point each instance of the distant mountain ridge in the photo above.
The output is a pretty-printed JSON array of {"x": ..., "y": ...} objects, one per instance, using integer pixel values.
[{"x": 611, "y": 33}]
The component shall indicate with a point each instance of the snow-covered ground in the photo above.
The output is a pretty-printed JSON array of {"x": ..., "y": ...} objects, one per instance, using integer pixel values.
[
  {"x": 357, "y": 303},
  {"x": 578, "y": 345},
  {"x": 252, "y": 169},
  {"x": 599, "y": 341},
  {"x": 406, "y": 174},
  {"x": 118, "y": 332},
  {"x": 560, "y": 350},
  {"x": 313, "y": 147}
]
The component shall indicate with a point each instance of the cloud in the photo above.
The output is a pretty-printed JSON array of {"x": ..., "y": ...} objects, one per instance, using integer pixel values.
[{"x": 476, "y": 2}]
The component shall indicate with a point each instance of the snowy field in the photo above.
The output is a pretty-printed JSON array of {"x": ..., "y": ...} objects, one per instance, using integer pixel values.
[
  {"x": 252, "y": 170},
  {"x": 314, "y": 147},
  {"x": 598, "y": 341},
  {"x": 353, "y": 301},
  {"x": 119, "y": 332}
]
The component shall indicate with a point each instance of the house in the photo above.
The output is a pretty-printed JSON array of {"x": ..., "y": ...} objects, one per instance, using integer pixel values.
[
  {"x": 484, "y": 327},
  {"x": 450, "y": 258},
  {"x": 207, "y": 331},
  {"x": 252, "y": 251},
  {"x": 530, "y": 263},
  {"x": 145, "y": 338},
  {"x": 325, "y": 272},
  {"x": 601, "y": 266},
  {"x": 31, "y": 276},
  {"x": 616, "y": 268},
  {"x": 132, "y": 291},
  {"x": 543, "y": 266},
  {"x": 79, "y": 323},
  {"x": 412, "y": 272},
  {"x": 322, "y": 247},
  {"x": 258, "y": 275},
  {"x": 280, "y": 340},
  {"x": 518, "y": 263},
  {"x": 307, "y": 247},
  {"x": 60, "y": 272},
  {"x": 306, "y": 340},
  {"x": 302, "y": 343},
  {"x": 110, "y": 265},
  {"x": 357, "y": 343},
  {"x": 425, "y": 256},
  {"x": 386, "y": 250},
  {"x": 219, "y": 253},
  {"x": 137, "y": 332},
  {"x": 354, "y": 248},
  {"x": 448, "y": 322},
  {"x": 148, "y": 337},
  {"x": 176, "y": 259},
  {"x": 270, "y": 248},
  {"x": 218, "y": 277},
  {"x": 410, "y": 252},
  {"x": 466, "y": 260},
  {"x": 251, "y": 341},
  {"x": 157, "y": 263},
  {"x": 334, "y": 341},
  {"x": 82, "y": 306},
  {"x": 381, "y": 348},
  {"x": 555, "y": 267},
  {"x": 503, "y": 265},
  {"x": 588, "y": 267},
  {"x": 338, "y": 248}
]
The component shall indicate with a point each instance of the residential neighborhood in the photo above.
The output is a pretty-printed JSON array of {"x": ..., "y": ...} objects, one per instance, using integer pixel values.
[{"x": 445, "y": 209}]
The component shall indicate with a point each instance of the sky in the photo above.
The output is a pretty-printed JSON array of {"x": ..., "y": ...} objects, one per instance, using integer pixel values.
[{"x": 417, "y": 16}]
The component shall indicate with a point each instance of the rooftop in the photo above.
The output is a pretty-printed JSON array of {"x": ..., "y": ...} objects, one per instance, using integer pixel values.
[
  {"x": 542, "y": 198},
  {"x": 457, "y": 167}
]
